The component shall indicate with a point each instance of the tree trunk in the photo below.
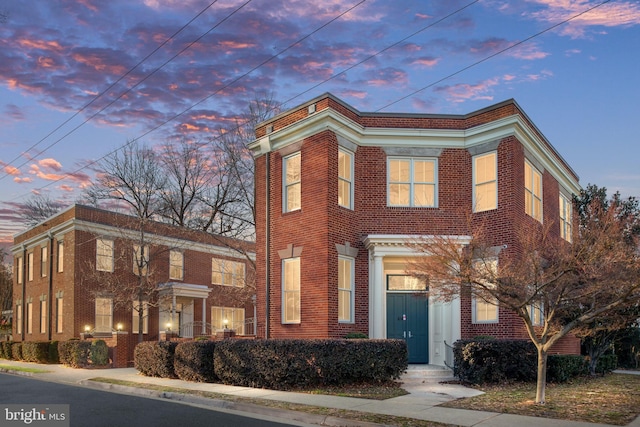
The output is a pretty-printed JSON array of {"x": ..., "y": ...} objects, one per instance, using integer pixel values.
[{"x": 542, "y": 376}]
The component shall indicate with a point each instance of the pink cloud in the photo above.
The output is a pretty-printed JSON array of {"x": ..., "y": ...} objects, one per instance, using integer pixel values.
[
  {"x": 51, "y": 164},
  {"x": 613, "y": 14},
  {"x": 12, "y": 170},
  {"x": 426, "y": 61},
  {"x": 20, "y": 180},
  {"x": 464, "y": 92}
]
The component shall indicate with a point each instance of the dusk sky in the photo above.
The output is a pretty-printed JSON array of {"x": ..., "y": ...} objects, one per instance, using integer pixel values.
[{"x": 577, "y": 80}]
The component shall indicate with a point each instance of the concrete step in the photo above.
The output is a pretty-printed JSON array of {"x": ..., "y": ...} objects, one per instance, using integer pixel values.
[{"x": 427, "y": 372}]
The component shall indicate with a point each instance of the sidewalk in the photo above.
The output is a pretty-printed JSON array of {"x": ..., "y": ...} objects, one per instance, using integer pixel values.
[{"x": 421, "y": 402}]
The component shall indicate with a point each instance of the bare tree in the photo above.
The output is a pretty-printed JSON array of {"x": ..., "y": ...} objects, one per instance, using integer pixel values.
[
  {"x": 6, "y": 291},
  {"x": 39, "y": 207},
  {"x": 567, "y": 285}
]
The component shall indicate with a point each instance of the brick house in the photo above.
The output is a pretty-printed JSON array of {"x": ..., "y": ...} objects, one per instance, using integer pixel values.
[
  {"x": 339, "y": 192},
  {"x": 64, "y": 269}
]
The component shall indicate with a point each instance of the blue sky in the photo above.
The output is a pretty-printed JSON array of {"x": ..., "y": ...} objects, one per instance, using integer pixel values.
[{"x": 577, "y": 81}]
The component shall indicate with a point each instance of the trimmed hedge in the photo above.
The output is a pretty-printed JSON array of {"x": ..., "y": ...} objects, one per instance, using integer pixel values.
[
  {"x": 283, "y": 364},
  {"x": 5, "y": 350},
  {"x": 193, "y": 361},
  {"x": 35, "y": 351},
  {"x": 16, "y": 351},
  {"x": 74, "y": 353},
  {"x": 494, "y": 361},
  {"x": 99, "y": 353},
  {"x": 155, "y": 358}
]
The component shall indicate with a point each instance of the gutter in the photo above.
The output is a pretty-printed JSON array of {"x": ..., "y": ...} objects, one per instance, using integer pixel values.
[
  {"x": 268, "y": 245},
  {"x": 50, "y": 297}
]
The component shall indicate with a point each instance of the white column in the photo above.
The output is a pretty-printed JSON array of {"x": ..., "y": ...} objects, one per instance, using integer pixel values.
[
  {"x": 204, "y": 316},
  {"x": 377, "y": 315},
  {"x": 173, "y": 313}
]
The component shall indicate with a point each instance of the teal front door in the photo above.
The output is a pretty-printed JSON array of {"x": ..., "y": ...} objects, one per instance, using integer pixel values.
[{"x": 407, "y": 319}]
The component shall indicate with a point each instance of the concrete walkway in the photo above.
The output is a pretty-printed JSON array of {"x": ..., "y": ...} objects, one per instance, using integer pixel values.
[{"x": 421, "y": 403}]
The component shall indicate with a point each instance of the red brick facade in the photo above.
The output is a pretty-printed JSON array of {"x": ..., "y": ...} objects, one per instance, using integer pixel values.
[
  {"x": 78, "y": 283},
  {"x": 317, "y": 130}
]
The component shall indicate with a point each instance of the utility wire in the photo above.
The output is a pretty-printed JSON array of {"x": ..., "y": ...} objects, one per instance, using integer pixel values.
[{"x": 106, "y": 90}]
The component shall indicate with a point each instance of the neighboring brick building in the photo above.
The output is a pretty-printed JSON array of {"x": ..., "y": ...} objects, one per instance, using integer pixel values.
[
  {"x": 65, "y": 267},
  {"x": 339, "y": 192}
]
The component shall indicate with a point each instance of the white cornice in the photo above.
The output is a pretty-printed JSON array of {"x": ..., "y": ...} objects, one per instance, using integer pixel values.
[
  {"x": 398, "y": 244},
  {"x": 329, "y": 119}
]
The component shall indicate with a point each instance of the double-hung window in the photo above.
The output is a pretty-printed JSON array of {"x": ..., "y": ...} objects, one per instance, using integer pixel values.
[
  {"x": 345, "y": 179},
  {"x": 30, "y": 266},
  {"x": 19, "y": 271},
  {"x": 227, "y": 273},
  {"x": 291, "y": 178},
  {"x": 485, "y": 182},
  {"x": 345, "y": 289},
  {"x": 176, "y": 265},
  {"x": 60, "y": 256},
  {"x": 104, "y": 255},
  {"x": 412, "y": 182},
  {"x": 291, "y": 290},
  {"x": 536, "y": 314},
  {"x": 140, "y": 260},
  {"x": 104, "y": 314},
  {"x": 485, "y": 308},
  {"x": 59, "y": 313},
  {"x": 29, "y": 317},
  {"x": 43, "y": 316},
  {"x": 532, "y": 191},
  {"x": 19, "y": 319},
  {"x": 566, "y": 218},
  {"x": 44, "y": 255},
  {"x": 229, "y": 318}
]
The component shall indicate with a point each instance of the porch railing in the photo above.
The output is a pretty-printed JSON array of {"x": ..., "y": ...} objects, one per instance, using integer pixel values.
[
  {"x": 195, "y": 329},
  {"x": 449, "y": 359}
]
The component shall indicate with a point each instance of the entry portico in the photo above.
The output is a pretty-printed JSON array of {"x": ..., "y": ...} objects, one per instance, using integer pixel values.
[
  {"x": 177, "y": 307},
  {"x": 399, "y": 307}
]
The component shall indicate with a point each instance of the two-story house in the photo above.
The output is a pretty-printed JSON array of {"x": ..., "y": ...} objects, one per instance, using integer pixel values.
[
  {"x": 88, "y": 270},
  {"x": 339, "y": 193}
]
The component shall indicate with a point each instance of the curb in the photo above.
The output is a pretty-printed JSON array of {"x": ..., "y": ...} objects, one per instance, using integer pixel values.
[{"x": 323, "y": 420}]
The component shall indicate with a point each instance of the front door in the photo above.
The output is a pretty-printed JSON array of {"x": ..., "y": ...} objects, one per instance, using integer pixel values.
[{"x": 407, "y": 319}]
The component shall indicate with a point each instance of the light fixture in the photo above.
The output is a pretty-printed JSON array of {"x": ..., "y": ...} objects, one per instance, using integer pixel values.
[
  {"x": 119, "y": 327},
  {"x": 87, "y": 328},
  {"x": 168, "y": 327},
  {"x": 226, "y": 322}
]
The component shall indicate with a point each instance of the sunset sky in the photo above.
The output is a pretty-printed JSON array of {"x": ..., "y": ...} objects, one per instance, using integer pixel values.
[{"x": 79, "y": 79}]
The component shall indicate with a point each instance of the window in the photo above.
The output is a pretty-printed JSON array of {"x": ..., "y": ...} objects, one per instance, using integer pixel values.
[
  {"x": 532, "y": 191},
  {"x": 291, "y": 290},
  {"x": 18, "y": 319},
  {"x": 104, "y": 255},
  {"x": 104, "y": 313},
  {"x": 43, "y": 316},
  {"x": 136, "y": 317},
  {"x": 485, "y": 310},
  {"x": 345, "y": 289},
  {"x": 59, "y": 314},
  {"x": 60, "y": 256},
  {"x": 536, "y": 314},
  {"x": 233, "y": 316},
  {"x": 227, "y": 273},
  {"x": 176, "y": 263},
  {"x": 29, "y": 317},
  {"x": 30, "y": 266},
  {"x": 43, "y": 261},
  {"x": 19, "y": 272},
  {"x": 345, "y": 179},
  {"x": 292, "y": 187},
  {"x": 140, "y": 260},
  {"x": 485, "y": 182},
  {"x": 566, "y": 218},
  {"x": 412, "y": 182}
]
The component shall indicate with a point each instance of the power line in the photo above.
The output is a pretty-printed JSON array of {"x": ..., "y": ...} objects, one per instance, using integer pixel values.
[{"x": 84, "y": 107}]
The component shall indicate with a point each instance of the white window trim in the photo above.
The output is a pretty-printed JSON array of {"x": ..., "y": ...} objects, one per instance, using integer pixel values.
[
  {"x": 566, "y": 222},
  {"x": 412, "y": 183},
  {"x": 234, "y": 323},
  {"x": 284, "y": 293},
  {"x": 59, "y": 315},
  {"x": 44, "y": 261},
  {"x": 475, "y": 183},
  {"x": 43, "y": 316},
  {"x": 110, "y": 256},
  {"x": 534, "y": 199},
  {"x": 236, "y": 282},
  {"x": 351, "y": 290},
  {"x": 474, "y": 312},
  {"x": 109, "y": 328},
  {"x": 532, "y": 309},
  {"x": 172, "y": 265},
  {"x": 60, "y": 256},
  {"x": 20, "y": 272},
  {"x": 350, "y": 181},
  {"x": 285, "y": 184},
  {"x": 30, "y": 267}
]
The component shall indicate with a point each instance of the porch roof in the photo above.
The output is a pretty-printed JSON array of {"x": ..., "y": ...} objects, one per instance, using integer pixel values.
[{"x": 183, "y": 290}]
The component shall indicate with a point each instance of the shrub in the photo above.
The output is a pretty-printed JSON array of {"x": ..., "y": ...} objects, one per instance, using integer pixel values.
[
  {"x": 5, "y": 350},
  {"x": 493, "y": 361},
  {"x": 99, "y": 353},
  {"x": 35, "y": 351},
  {"x": 54, "y": 357},
  {"x": 283, "y": 364},
  {"x": 606, "y": 363},
  {"x": 193, "y": 361},
  {"x": 16, "y": 351},
  {"x": 356, "y": 335},
  {"x": 74, "y": 353},
  {"x": 155, "y": 358},
  {"x": 563, "y": 367}
]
